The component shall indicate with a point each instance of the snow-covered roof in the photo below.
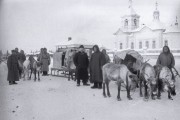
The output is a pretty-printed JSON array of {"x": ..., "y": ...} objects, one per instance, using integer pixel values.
[
  {"x": 76, "y": 43},
  {"x": 172, "y": 29},
  {"x": 156, "y": 25}
]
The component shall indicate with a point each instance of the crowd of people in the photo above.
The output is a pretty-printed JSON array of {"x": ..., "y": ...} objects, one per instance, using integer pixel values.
[
  {"x": 15, "y": 64},
  {"x": 83, "y": 64}
]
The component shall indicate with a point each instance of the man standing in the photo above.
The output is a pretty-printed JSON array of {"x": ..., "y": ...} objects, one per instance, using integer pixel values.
[
  {"x": 97, "y": 61},
  {"x": 81, "y": 62},
  {"x": 45, "y": 60},
  {"x": 17, "y": 53},
  {"x": 13, "y": 68}
]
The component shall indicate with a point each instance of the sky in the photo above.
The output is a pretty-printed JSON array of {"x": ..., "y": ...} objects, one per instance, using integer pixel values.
[{"x": 33, "y": 24}]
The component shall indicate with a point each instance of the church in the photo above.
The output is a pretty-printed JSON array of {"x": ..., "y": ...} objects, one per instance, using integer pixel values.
[{"x": 150, "y": 38}]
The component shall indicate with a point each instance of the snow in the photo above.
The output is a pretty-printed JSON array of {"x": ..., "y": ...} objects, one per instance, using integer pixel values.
[{"x": 56, "y": 98}]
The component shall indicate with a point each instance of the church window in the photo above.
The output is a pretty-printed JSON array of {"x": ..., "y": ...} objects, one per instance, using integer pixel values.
[
  {"x": 147, "y": 44},
  {"x": 135, "y": 22},
  {"x": 154, "y": 44},
  {"x": 126, "y": 22},
  {"x": 140, "y": 45},
  {"x": 132, "y": 45},
  {"x": 166, "y": 43},
  {"x": 121, "y": 46}
]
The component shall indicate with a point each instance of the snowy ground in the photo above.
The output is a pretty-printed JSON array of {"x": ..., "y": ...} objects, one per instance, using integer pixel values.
[{"x": 56, "y": 98}]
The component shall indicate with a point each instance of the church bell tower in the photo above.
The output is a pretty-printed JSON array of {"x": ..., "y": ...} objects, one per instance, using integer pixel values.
[{"x": 130, "y": 21}]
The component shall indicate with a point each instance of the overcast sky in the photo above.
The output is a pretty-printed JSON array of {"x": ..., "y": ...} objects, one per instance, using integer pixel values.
[{"x": 32, "y": 24}]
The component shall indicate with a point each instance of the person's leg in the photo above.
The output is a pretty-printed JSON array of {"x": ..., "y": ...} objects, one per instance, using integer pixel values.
[
  {"x": 100, "y": 85},
  {"x": 78, "y": 82},
  {"x": 14, "y": 82},
  {"x": 85, "y": 82},
  {"x": 95, "y": 85},
  {"x": 38, "y": 76},
  {"x": 10, "y": 82},
  {"x": 20, "y": 73},
  {"x": 43, "y": 73}
]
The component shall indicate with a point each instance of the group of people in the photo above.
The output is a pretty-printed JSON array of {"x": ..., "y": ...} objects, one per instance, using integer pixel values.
[
  {"x": 95, "y": 64},
  {"x": 84, "y": 66},
  {"x": 15, "y": 64}
]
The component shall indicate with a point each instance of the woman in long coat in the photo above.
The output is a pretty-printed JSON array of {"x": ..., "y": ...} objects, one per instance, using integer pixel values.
[
  {"x": 96, "y": 62},
  {"x": 13, "y": 68},
  {"x": 45, "y": 60}
]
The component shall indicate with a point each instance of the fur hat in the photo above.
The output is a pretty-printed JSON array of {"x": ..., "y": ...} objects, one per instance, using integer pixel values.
[{"x": 81, "y": 46}]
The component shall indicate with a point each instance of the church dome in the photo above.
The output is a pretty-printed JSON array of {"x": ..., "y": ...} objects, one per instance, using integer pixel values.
[{"x": 156, "y": 24}]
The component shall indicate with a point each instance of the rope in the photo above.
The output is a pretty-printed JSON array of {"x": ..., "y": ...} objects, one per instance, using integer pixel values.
[{"x": 177, "y": 73}]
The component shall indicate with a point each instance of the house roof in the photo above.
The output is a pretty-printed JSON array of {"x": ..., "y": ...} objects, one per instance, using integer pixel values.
[{"x": 76, "y": 43}]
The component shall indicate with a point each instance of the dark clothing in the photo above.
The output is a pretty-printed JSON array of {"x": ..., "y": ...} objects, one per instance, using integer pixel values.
[
  {"x": 45, "y": 60},
  {"x": 166, "y": 59},
  {"x": 81, "y": 62},
  {"x": 13, "y": 68},
  {"x": 107, "y": 58},
  {"x": 97, "y": 61},
  {"x": 18, "y": 55},
  {"x": 22, "y": 57},
  {"x": 44, "y": 72}
]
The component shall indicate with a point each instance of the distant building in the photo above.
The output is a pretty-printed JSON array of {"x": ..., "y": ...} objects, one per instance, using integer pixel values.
[{"x": 152, "y": 37}]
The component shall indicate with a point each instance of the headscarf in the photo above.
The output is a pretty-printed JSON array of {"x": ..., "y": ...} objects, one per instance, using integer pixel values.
[
  {"x": 96, "y": 48},
  {"x": 167, "y": 48}
]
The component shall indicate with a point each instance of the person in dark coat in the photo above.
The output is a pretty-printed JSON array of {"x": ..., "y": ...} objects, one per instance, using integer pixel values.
[
  {"x": 106, "y": 56},
  {"x": 45, "y": 60},
  {"x": 81, "y": 62},
  {"x": 166, "y": 58},
  {"x": 96, "y": 62},
  {"x": 13, "y": 68},
  {"x": 17, "y": 53}
]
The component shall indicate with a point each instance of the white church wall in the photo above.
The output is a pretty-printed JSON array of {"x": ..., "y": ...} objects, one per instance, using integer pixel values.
[
  {"x": 148, "y": 35},
  {"x": 121, "y": 39},
  {"x": 173, "y": 40}
]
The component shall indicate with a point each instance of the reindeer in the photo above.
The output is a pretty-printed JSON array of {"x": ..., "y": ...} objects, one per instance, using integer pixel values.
[
  {"x": 148, "y": 78},
  {"x": 26, "y": 68},
  {"x": 121, "y": 74},
  {"x": 165, "y": 81},
  {"x": 69, "y": 63}
]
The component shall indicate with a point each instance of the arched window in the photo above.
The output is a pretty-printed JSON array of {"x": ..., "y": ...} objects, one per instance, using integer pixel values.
[
  {"x": 140, "y": 45},
  {"x": 147, "y": 44},
  {"x": 121, "y": 47},
  {"x": 166, "y": 43},
  {"x": 132, "y": 45},
  {"x": 135, "y": 22},
  {"x": 154, "y": 44},
  {"x": 126, "y": 22}
]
